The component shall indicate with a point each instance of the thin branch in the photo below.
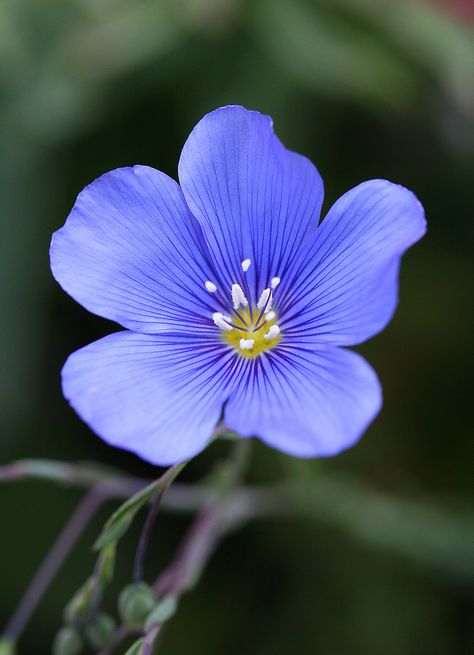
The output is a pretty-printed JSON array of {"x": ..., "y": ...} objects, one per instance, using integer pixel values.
[
  {"x": 194, "y": 552},
  {"x": 198, "y": 545},
  {"x": 166, "y": 480},
  {"x": 85, "y": 474},
  {"x": 81, "y": 474},
  {"x": 196, "y": 548},
  {"x": 150, "y": 640},
  {"x": 145, "y": 535},
  {"x": 83, "y": 513},
  {"x": 371, "y": 516}
]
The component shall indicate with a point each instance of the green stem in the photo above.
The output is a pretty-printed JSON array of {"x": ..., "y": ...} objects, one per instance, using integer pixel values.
[
  {"x": 83, "y": 513},
  {"x": 376, "y": 519},
  {"x": 207, "y": 529},
  {"x": 166, "y": 480},
  {"x": 81, "y": 474}
]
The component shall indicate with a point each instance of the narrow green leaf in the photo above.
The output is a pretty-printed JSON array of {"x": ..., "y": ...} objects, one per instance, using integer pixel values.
[
  {"x": 107, "y": 564},
  {"x": 81, "y": 603},
  {"x": 163, "y": 611},
  {"x": 121, "y": 519},
  {"x": 136, "y": 648}
]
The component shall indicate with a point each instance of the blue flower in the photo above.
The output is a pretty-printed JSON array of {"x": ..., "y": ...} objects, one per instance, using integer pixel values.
[{"x": 236, "y": 303}]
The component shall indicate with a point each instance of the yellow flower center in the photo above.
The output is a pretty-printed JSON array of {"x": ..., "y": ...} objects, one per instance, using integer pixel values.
[{"x": 252, "y": 330}]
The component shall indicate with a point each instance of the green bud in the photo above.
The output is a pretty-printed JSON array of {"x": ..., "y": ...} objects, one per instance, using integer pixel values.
[
  {"x": 67, "y": 642},
  {"x": 136, "y": 602},
  {"x": 163, "y": 611},
  {"x": 7, "y": 647},
  {"x": 99, "y": 630}
]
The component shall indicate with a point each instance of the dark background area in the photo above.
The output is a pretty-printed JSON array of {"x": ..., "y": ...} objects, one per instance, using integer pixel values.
[{"x": 364, "y": 89}]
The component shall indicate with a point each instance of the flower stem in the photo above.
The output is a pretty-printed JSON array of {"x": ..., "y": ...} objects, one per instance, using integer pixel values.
[
  {"x": 145, "y": 538},
  {"x": 150, "y": 640},
  {"x": 81, "y": 516},
  {"x": 168, "y": 477},
  {"x": 196, "y": 548},
  {"x": 81, "y": 475}
]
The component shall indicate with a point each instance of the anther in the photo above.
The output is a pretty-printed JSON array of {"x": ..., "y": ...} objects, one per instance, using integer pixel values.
[
  {"x": 272, "y": 333},
  {"x": 270, "y": 316},
  {"x": 246, "y": 265},
  {"x": 238, "y": 296},
  {"x": 220, "y": 320},
  {"x": 265, "y": 301},
  {"x": 274, "y": 282},
  {"x": 247, "y": 344},
  {"x": 210, "y": 286}
]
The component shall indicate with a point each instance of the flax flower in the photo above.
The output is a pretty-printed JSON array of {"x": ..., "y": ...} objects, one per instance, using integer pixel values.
[{"x": 236, "y": 303}]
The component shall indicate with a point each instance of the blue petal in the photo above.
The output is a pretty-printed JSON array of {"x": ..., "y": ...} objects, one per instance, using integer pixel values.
[
  {"x": 343, "y": 288},
  {"x": 253, "y": 198},
  {"x": 157, "y": 396},
  {"x": 130, "y": 251},
  {"x": 306, "y": 402}
]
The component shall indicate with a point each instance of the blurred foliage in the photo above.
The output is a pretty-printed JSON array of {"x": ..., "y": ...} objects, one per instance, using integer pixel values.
[{"x": 365, "y": 88}]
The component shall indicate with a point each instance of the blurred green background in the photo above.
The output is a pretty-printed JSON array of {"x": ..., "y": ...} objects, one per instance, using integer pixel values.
[{"x": 365, "y": 88}]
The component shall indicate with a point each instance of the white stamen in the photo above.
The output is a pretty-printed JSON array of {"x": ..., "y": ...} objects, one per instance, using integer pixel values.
[
  {"x": 272, "y": 333},
  {"x": 247, "y": 344},
  {"x": 270, "y": 316},
  {"x": 246, "y": 265},
  {"x": 238, "y": 296},
  {"x": 265, "y": 301},
  {"x": 220, "y": 320},
  {"x": 274, "y": 282},
  {"x": 210, "y": 286}
]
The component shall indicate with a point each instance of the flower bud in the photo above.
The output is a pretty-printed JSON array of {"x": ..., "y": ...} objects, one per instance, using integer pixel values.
[
  {"x": 67, "y": 642},
  {"x": 99, "y": 630},
  {"x": 136, "y": 601}
]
